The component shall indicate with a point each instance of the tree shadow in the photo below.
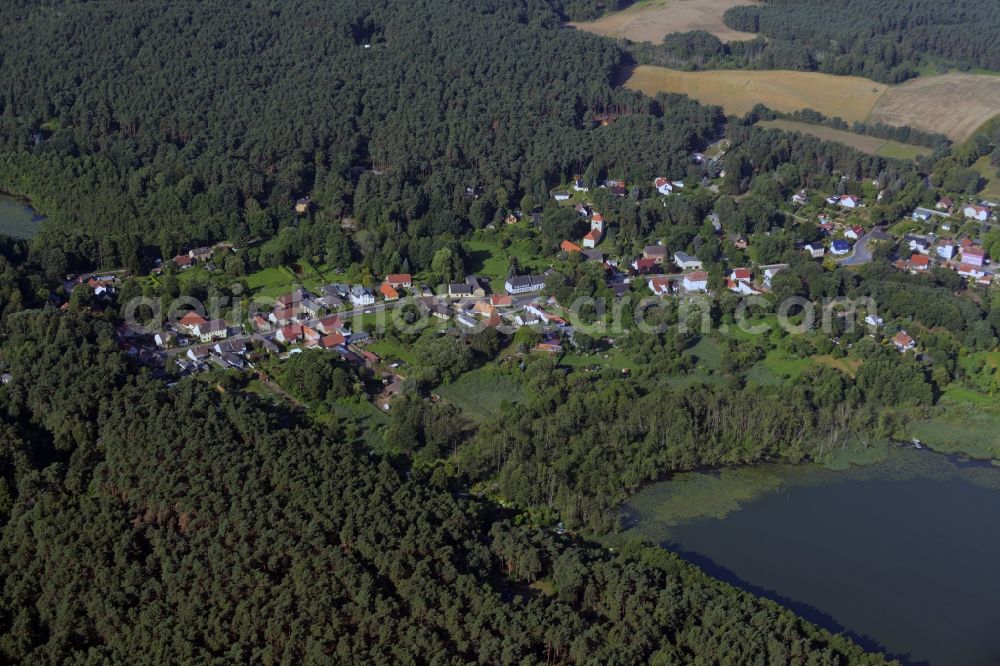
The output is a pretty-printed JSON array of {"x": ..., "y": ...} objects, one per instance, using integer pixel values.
[{"x": 800, "y": 608}]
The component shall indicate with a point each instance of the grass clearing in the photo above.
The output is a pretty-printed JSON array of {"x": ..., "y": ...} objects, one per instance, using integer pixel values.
[
  {"x": 481, "y": 392},
  {"x": 849, "y": 366},
  {"x": 923, "y": 103},
  {"x": 989, "y": 173},
  {"x": 708, "y": 353},
  {"x": 652, "y": 20},
  {"x": 17, "y": 219},
  {"x": 487, "y": 258},
  {"x": 867, "y": 144}
]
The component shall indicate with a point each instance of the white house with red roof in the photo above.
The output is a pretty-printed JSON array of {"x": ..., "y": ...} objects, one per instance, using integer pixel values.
[
  {"x": 849, "y": 201},
  {"x": 903, "y": 341},
  {"x": 288, "y": 334},
  {"x": 663, "y": 186},
  {"x": 399, "y": 280},
  {"x": 660, "y": 286},
  {"x": 592, "y": 238}
]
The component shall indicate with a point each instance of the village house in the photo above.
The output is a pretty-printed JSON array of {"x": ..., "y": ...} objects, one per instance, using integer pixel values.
[
  {"x": 849, "y": 201},
  {"x": 663, "y": 186},
  {"x": 874, "y": 321},
  {"x": 332, "y": 340},
  {"x": 164, "y": 339},
  {"x": 944, "y": 203},
  {"x": 616, "y": 187},
  {"x": 918, "y": 244},
  {"x": 289, "y": 334},
  {"x": 183, "y": 261},
  {"x": 459, "y": 290},
  {"x": 921, "y": 214},
  {"x": 399, "y": 280},
  {"x": 268, "y": 345},
  {"x": 815, "y": 250},
  {"x": 660, "y": 286},
  {"x": 592, "y": 238},
  {"x": 971, "y": 271},
  {"x": 973, "y": 255},
  {"x": 800, "y": 198},
  {"x": 560, "y": 196},
  {"x": 201, "y": 254},
  {"x": 840, "y": 247},
  {"x": 388, "y": 292},
  {"x": 579, "y": 185},
  {"x": 524, "y": 284},
  {"x": 919, "y": 262},
  {"x": 281, "y": 316},
  {"x": 501, "y": 300},
  {"x": 769, "y": 274},
  {"x": 191, "y": 321},
  {"x": 329, "y": 325},
  {"x": 980, "y": 213},
  {"x": 903, "y": 341},
  {"x": 946, "y": 249},
  {"x": 310, "y": 308},
  {"x": 582, "y": 210},
  {"x": 593, "y": 255},
  {"x": 528, "y": 317},
  {"x": 570, "y": 247},
  {"x": 696, "y": 281},
  {"x": 854, "y": 233},
  {"x": 644, "y": 266},
  {"x": 685, "y": 261},
  {"x": 361, "y": 296},
  {"x": 260, "y": 324},
  {"x": 199, "y": 354},
  {"x": 214, "y": 329},
  {"x": 465, "y": 321},
  {"x": 658, "y": 253},
  {"x": 476, "y": 288}
]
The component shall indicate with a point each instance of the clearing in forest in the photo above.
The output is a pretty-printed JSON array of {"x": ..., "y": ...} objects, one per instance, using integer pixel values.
[
  {"x": 951, "y": 104},
  {"x": 871, "y": 145},
  {"x": 738, "y": 91},
  {"x": 652, "y": 20}
]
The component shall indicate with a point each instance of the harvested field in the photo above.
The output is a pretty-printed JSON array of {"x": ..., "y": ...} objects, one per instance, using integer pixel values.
[
  {"x": 955, "y": 105},
  {"x": 651, "y": 20},
  {"x": 866, "y": 144},
  {"x": 738, "y": 91},
  {"x": 952, "y": 104}
]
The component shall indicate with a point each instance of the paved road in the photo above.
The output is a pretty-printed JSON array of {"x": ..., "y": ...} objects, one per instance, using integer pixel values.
[{"x": 862, "y": 253}]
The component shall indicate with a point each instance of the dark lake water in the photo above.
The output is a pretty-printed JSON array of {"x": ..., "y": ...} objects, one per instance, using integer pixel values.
[
  {"x": 18, "y": 219},
  {"x": 903, "y": 556}
]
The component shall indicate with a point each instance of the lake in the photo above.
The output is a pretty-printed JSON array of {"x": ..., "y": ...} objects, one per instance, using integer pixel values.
[
  {"x": 902, "y": 555},
  {"x": 18, "y": 219}
]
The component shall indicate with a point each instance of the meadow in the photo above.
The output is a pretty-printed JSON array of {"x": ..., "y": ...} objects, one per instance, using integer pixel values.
[
  {"x": 651, "y": 20},
  {"x": 926, "y": 103},
  {"x": 17, "y": 219}
]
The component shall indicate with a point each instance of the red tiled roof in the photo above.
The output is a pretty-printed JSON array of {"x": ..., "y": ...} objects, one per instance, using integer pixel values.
[
  {"x": 388, "y": 291},
  {"x": 192, "y": 319},
  {"x": 570, "y": 246},
  {"x": 501, "y": 300},
  {"x": 332, "y": 340},
  {"x": 741, "y": 274},
  {"x": 592, "y": 235},
  {"x": 920, "y": 260},
  {"x": 399, "y": 279},
  {"x": 697, "y": 276}
]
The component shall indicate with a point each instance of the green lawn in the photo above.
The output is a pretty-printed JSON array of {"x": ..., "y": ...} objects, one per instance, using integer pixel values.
[
  {"x": 391, "y": 349},
  {"x": 487, "y": 258},
  {"x": 271, "y": 281},
  {"x": 989, "y": 173},
  {"x": 967, "y": 422},
  {"x": 707, "y": 352},
  {"x": 785, "y": 366},
  {"x": 481, "y": 392}
]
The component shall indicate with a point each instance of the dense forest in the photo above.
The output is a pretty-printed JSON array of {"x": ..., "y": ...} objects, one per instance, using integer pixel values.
[
  {"x": 886, "y": 41},
  {"x": 141, "y": 524},
  {"x": 197, "y": 122}
]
